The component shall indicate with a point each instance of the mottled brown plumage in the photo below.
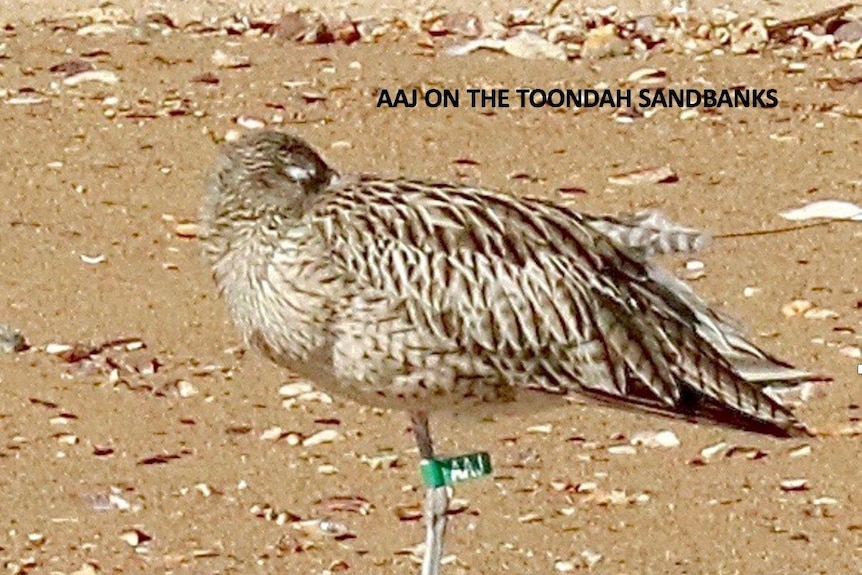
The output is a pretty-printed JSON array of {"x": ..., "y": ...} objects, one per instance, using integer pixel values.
[{"x": 421, "y": 295}]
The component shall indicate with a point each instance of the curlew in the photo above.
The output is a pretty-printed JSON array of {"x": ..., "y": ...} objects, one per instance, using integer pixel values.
[{"x": 422, "y": 296}]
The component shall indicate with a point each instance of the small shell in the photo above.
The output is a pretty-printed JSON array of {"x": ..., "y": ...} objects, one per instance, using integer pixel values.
[
  {"x": 187, "y": 230},
  {"x": 204, "y": 489},
  {"x": 586, "y": 487},
  {"x": 688, "y": 115},
  {"x": 57, "y": 348},
  {"x": 820, "y": 313},
  {"x": 384, "y": 461},
  {"x": 852, "y": 351},
  {"x": 250, "y": 123},
  {"x": 622, "y": 450},
  {"x": 664, "y": 438},
  {"x": 295, "y": 389},
  {"x": 796, "y": 307},
  {"x": 68, "y": 439},
  {"x": 749, "y": 291},
  {"x": 648, "y": 77},
  {"x": 325, "y": 436},
  {"x": 92, "y": 260},
  {"x": 327, "y": 469},
  {"x": 713, "y": 450},
  {"x": 794, "y": 484},
  {"x": 101, "y": 76},
  {"x": 135, "y": 537},
  {"x": 800, "y": 451},
  {"x": 271, "y": 433},
  {"x": 829, "y": 209},
  {"x": 186, "y": 389},
  {"x": 224, "y": 60},
  {"x": 590, "y": 558}
]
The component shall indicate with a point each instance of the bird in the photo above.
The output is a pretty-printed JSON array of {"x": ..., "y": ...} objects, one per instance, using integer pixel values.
[{"x": 422, "y": 296}]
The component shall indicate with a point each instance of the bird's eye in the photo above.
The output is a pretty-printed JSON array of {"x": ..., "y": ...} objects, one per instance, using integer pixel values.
[{"x": 299, "y": 174}]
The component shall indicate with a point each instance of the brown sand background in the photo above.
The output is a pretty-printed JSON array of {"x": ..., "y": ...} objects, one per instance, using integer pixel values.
[{"x": 75, "y": 182}]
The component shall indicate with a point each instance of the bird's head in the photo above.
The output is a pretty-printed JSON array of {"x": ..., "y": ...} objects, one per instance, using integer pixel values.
[{"x": 270, "y": 170}]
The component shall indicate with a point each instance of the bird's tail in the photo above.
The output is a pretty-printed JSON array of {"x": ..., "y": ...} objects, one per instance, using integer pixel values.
[
  {"x": 649, "y": 233},
  {"x": 681, "y": 357}
]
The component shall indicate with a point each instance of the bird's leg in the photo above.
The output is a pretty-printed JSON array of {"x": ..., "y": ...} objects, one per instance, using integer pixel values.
[{"x": 436, "y": 502}]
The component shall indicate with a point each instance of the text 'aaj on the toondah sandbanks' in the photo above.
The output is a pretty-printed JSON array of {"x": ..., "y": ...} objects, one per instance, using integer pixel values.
[{"x": 736, "y": 97}]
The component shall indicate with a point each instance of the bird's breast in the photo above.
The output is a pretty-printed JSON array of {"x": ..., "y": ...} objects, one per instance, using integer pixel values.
[{"x": 278, "y": 293}]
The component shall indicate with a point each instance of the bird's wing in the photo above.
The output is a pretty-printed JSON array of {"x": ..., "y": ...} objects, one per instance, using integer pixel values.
[
  {"x": 532, "y": 286},
  {"x": 649, "y": 233}
]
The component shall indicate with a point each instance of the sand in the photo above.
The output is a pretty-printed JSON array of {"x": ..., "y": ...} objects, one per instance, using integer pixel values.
[{"x": 120, "y": 470}]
